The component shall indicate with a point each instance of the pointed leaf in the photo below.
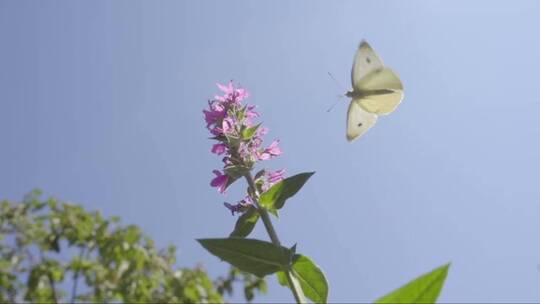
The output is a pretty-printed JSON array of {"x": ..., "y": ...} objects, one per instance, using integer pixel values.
[
  {"x": 254, "y": 256},
  {"x": 282, "y": 278},
  {"x": 273, "y": 212},
  {"x": 245, "y": 223},
  {"x": 235, "y": 172},
  {"x": 276, "y": 196},
  {"x": 310, "y": 277},
  {"x": 248, "y": 133},
  {"x": 231, "y": 180},
  {"x": 424, "y": 289}
]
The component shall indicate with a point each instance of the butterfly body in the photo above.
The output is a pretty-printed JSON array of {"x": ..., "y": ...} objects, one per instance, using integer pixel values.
[
  {"x": 377, "y": 90},
  {"x": 362, "y": 94}
]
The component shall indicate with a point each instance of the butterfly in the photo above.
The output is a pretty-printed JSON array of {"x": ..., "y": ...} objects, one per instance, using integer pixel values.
[{"x": 377, "y": 90}]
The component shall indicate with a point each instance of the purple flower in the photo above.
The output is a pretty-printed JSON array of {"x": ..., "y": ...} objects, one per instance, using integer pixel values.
[
  {"x": 228, "y": 125},
  {"x": 227, "y": 161},
  {"x": 272, "y": 151},
  {"x": 245, "y": 150},
  {"x": 220, "y": 181},
  {"x": 214, "y": 114},
  {"x": 217, "y": 131},
  {"x": 270, "y": 178},
  {"x": 232, "y": 208},
  {"x": 261, "y": 131},
  {"x": 250, "y": 115},
  {"x": 227, "y": 119},
  {"x": 219, "y": 148},
  {"x": 228, "y": 90},
  {"x": 232, "y": 94},
  {"x": 274, "y": 177},
  {"x": 241, "y": 94},
  {"x": 239, "y": 207}
]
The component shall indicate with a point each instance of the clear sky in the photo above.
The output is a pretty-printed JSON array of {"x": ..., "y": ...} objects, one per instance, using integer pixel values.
[{"x": 100, "y": 104}]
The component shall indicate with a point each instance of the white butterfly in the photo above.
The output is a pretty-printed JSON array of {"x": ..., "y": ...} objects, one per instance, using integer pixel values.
[{"x": 377, "y": 90}]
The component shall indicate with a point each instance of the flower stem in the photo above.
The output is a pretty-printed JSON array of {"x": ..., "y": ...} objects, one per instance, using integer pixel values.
[{"x": 293, "y": 283}]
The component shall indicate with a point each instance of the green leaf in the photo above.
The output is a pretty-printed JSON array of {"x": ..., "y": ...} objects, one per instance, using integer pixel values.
[
  {"x": 245, "y": 223},
  {"x": 231, "y": 180},
  {"x": 282, "y": 278},
  {"x": 274, "y": 212},
  {"x": 254, "y": 256},
  {"x": 248, "y": 133},
  {"x": 311, "y": 278},
  {"x": 276, "y": 196},
  {"x": 233, "y": 141},
  {"x": 424, "y": 289},
  {"x": 235, "y": 172}
]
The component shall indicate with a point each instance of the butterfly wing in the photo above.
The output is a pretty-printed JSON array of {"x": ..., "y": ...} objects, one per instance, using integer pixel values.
[
  {"x": 366, "y": 61},
  {"x": 383, "y": 91},
  {"x": 358, "y": 120}
]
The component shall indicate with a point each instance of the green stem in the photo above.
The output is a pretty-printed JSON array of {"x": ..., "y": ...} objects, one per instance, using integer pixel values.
[{"x": 293, "y": 284}]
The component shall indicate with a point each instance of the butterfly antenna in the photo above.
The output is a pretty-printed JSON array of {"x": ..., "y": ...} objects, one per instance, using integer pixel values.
[
  {"x": 334, "y": 104},
  {"x": 340, "y": 87}
]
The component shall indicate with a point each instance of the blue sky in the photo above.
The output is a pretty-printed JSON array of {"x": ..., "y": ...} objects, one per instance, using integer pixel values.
[{"x": 100, "y": 104}]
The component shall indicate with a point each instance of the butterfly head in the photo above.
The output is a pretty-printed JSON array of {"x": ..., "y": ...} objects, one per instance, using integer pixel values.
[{"x": 354, "y": 94}]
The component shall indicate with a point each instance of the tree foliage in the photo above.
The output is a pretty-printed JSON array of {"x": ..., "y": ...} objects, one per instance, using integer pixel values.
[{"x": 53, "y": 251}]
